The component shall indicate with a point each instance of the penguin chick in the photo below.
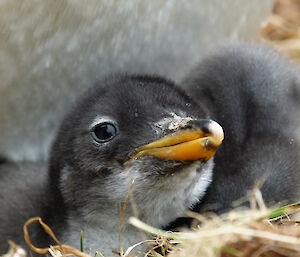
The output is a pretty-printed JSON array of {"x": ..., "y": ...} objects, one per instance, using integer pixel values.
[
  {"x": 254, "y": 93},
  {"x": 125, "y": 133}
]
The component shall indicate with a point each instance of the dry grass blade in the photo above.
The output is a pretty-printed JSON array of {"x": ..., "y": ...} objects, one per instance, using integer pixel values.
[
  {"x": 126, "y": 254},
  {"x": 64, "y": 249},
  {"x": 122, "y": 216}
]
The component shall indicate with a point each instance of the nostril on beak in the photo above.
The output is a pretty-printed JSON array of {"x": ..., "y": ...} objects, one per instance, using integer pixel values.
[{"x": 205, "y": 126}]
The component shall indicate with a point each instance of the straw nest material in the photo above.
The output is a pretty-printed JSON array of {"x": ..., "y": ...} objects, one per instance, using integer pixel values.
[
  {"x": 282, "y": 28},
  {"x": 243, "y": 232}
]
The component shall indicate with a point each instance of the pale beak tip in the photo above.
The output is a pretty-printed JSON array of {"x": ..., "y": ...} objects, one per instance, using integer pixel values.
[{"x": 216, "y": 130}]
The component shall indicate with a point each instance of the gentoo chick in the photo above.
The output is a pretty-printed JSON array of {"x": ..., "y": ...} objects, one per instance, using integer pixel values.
[
  {"x": 137, "y": 133},
  {"x": 254, "y": 93},
  {"x": 143, "y": 133}
]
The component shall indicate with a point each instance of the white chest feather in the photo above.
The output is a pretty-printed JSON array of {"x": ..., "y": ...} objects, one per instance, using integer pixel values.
[{"x": 157, "y": 206}]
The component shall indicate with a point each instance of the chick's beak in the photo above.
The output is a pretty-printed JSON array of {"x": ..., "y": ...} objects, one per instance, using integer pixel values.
[{"x": 199, "y": 140}]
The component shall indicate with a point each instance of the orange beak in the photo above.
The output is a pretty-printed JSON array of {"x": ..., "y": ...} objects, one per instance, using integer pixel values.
[{"x": 186, "y": 144}]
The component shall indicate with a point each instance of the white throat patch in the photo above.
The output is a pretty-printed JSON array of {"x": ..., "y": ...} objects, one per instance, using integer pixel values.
[{"x": 184, "y": 188}]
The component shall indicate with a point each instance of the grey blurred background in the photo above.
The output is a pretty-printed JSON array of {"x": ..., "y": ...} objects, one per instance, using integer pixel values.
[{"x": 50, "y": 51}]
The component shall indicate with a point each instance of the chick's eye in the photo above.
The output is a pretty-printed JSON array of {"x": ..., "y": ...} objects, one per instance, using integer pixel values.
[{"x": 103, "y": 132}]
